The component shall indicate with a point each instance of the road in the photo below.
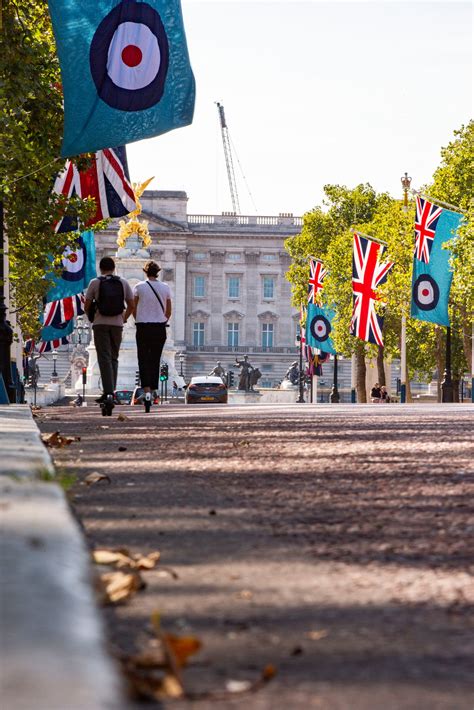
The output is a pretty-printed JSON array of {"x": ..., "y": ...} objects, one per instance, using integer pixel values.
[{"x": 333, "y": 542}]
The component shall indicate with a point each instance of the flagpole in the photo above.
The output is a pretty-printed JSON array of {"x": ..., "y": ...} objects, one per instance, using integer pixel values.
[
  {"x": 372, "y": 239},
  {"x": 438, "y": 202},
  {"x": 403, "y": 361},
  {"x": 300, "y": 399}
]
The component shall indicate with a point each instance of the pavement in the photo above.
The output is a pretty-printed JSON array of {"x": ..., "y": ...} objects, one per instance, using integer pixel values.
[
  {"x": 52, "y": 644},
  {"x": 330, "y": 541}
]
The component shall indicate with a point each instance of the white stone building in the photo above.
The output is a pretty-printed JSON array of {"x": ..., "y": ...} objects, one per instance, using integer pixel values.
[{"x": 227, "y": 276}]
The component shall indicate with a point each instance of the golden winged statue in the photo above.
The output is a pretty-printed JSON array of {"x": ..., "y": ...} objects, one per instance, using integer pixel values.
[{"x": 134, "y": 226}]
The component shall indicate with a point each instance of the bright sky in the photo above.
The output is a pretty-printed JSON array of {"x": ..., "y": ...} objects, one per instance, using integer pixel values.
[{"x": 314, "y": 93}]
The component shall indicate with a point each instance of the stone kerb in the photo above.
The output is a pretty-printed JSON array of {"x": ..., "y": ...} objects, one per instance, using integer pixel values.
[{"x": 53, "y": 651}]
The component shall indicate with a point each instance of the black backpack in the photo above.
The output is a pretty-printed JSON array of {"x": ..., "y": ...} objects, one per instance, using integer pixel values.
[{"x": 111, "y": 296}]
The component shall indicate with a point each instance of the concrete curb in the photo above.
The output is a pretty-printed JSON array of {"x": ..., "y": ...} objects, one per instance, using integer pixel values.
[{"x": 53, "y": 650}]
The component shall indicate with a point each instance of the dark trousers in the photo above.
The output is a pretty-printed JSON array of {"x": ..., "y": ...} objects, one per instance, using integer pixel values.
[
  {"x": 107, "y": 339},
  {"x": 151, "y": 338}
]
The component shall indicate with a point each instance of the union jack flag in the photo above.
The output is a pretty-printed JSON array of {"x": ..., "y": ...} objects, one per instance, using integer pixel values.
[
  {"x": 56, "y": 313},
  {"x": 317, "y": 274},
  {"x": 426, "y": 221},
  {"x": 107, "y": 181},
  {"x": 367, "y": 274},
  {"x": 44, "y": 346}
]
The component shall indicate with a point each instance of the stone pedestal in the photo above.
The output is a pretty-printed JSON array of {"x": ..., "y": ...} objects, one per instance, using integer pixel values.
[{"x": 242, "y": 397}]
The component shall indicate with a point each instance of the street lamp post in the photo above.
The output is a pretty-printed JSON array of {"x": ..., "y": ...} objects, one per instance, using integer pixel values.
[
  {"x": 406, "y": 182},
  {"x": 300, "y": 399},
  {"x": 80, "y": 327},
  {"x": 55, "y": 357},
  {"x": 181, "y": 363},
  {"x": 334, "y": 396}
]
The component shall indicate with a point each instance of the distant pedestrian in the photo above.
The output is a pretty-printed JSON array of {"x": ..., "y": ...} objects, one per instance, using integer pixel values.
[
  {"x": 376, "y": 393},
  {"x": 152, "y": 310},
  {"x": 384, "y": 395},
  {"x": 174, "y": 390},
  {"x": 105, "y": 307}
]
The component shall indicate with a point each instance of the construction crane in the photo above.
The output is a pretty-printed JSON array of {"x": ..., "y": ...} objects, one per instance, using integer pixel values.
[{"x": 228, "y": 159}]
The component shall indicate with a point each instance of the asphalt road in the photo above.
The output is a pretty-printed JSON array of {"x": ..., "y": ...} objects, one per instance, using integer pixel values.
[{"x": 333, "y": 542}]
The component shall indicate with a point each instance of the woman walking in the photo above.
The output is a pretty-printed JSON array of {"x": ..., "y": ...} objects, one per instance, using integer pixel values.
[{"x": 152, "y": 310}]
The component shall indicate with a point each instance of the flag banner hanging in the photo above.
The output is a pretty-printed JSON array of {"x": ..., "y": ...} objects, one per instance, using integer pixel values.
[
  {"x": 125, "y": 71},
  {"x": 426, "y": 221},
  {"x": 48, "y": 346},
  {"x": 319, "y": 327},
  {"x": 56, "y": 313},
  {"x": 107, "y": 181},
  {"x": 78, "y": 269},
  {"x": 51, "y": 332},
  {"x": 367, "y": 274},
  {"x": 317, "y": 274},
  {"x": 431, "y": 281}
]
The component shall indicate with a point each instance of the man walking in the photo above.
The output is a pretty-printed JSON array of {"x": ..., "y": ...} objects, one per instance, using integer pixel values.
[{"x": 106, "y": 297}]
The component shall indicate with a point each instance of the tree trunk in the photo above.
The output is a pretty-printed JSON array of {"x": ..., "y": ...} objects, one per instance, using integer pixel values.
[
  {"x": 408, "y": 396},
  {"x": 380, "y": 367},
  {"x": 360, "y": 374},
  {"x": 456, "y": 384}
]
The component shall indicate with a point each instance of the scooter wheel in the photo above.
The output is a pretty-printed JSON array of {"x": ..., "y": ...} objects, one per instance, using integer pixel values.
[
  {"x": 147, "y": 405},
  {"x": 103, "y": 412}
]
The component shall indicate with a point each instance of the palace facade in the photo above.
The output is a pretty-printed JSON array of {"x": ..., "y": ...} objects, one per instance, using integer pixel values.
[{"x": 227, "y": 276}]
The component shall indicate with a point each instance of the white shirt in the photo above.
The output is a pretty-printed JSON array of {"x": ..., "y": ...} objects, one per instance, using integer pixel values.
[{"x": 149, "y": 309}]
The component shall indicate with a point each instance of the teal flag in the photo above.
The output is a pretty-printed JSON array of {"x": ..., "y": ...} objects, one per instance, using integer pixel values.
[
  {"x": 78, "y": 269},
  {"x": 125, "y": 71},
  {"x": 50, "y": 332},
  {"x": 319, "y": 327},
  {"x": 431, "y": 282}
]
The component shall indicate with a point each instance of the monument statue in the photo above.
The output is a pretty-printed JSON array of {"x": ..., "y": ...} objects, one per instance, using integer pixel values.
[
  {"x": 246, "y": 369},
  {"x": 293, "y": 373},
  {"x": 219, "y": 371},
  {"x": 135, "y": 232},
  {"x": 255, "y": 375}
]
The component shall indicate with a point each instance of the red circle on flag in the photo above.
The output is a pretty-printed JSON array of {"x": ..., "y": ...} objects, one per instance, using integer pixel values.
[
  {"x": 132, "y": 55},
  {"x": 426, "y": 292}
]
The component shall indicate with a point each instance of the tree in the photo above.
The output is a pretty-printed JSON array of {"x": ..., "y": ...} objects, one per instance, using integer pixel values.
[{"x": 30, "y": 132}]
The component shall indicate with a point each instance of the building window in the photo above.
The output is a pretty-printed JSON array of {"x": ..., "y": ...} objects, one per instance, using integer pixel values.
[
  {"x": 234, "y": 256},
  {"x": 267, "y": 335},
  {"x": 269, "y": 257},
  {"x": 234, "y": 287},
  {"x": 268, "y": 287},
  {"x": 198, "y": 335},
  {"x": 232, "y": 335},
  {"x": 199, "y": 255},
  {"x": 199, "y": 287}
]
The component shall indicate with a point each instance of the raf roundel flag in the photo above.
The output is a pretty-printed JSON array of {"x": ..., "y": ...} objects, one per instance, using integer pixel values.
[
  {"x": 431, "y": 282},
  {"x": 318, "y": 328},
  {"x": 79, "y": 268},
  {"x": 125, "y": 71}
]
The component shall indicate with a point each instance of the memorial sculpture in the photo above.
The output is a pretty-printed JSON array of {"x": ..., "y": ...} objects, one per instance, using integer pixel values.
[{"x": 219, "y": 371}]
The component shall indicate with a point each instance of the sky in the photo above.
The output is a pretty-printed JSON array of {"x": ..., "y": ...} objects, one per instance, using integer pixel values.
[{"x": 314, "y": 93}]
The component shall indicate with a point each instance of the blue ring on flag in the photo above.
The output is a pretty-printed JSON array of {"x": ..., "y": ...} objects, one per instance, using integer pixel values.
[
  {"x": 116, "y": 96},
  {"x": 77, "y": 275},
  {"x": 429, "y": 301},
  {"x": 320, "y": 337}
]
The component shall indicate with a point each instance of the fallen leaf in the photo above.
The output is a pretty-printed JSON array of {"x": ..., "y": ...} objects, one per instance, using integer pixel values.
[
  {"x": 167, "y": 572},
  {"x": 171, "y": 686},
  {"x": 109, "y": 557},
  {"x": 147, "y": 561},
  {"x": 238, "y": 686},
  {"x": 317, "y": 635},
  {"x": 122, "y": 418},
  {"x": 182, "y": 647},
  {"x": 244, "y": 594},
  {"x": 57, "y": 440},
  {"x": 95, "y": 477},
  {"x": 119, "y": 586}
]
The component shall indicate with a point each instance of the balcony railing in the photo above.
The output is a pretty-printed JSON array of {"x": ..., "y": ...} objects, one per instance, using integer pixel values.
[
  {"x": 244, "y": 220},
  {"x": 238, "y": 349}
]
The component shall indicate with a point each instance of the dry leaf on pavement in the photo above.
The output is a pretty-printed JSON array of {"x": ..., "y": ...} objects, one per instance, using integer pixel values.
[
  {"x": 95, "y": 477},
  {"x": 119, "y": 586},
  {"x": 122, "y": 558},
  {"x": 317, "y": 635},
  {"x": 122, "y": 418},
  {"x": 57, "y": 440},
  {"x": 182, "y": 647}
]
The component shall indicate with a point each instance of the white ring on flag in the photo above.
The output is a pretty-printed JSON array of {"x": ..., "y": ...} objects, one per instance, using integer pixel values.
[
  {"x": 73, "y": 260},
  {"x": 137, "y": 41}
]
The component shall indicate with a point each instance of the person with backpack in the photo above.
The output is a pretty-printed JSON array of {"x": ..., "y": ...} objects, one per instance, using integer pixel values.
[
  {"x": 152, "y": 310},
  {"x": 106, "y": 297}
]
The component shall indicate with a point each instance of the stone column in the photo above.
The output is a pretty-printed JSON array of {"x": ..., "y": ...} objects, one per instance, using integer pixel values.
[
  {"x": 216, "y": 296},
  {"x": 253, "y": 298},
  {"x": 179, "y": 305}
]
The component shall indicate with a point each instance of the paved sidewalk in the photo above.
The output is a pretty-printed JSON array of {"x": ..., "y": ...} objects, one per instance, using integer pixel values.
[
  {"x": 333, "y": 542},
  {"x": 52, "y": 649}
]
